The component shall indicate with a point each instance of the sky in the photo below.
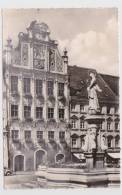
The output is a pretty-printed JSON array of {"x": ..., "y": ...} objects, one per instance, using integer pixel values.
[{"x": 89, "y": 34}]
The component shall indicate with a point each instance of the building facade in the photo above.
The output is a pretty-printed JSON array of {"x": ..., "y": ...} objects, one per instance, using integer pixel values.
[
  {"x": 109, "y": 109},
  {"x": 36, "y": 100},
  {"x": 45, "y": 103}
]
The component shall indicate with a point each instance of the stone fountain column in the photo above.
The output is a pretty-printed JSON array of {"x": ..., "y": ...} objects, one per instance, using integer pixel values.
[
  {"x": 93, "y": 151},
  {"x": 93, "y": 148}
]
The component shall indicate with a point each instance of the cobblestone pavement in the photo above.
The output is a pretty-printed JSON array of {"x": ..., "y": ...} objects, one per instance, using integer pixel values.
[{"x": 21, "y": 181}]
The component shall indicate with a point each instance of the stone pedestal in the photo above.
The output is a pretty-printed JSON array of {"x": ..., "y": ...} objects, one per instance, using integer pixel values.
[
  {"x": 99, "y": 160},
  {"x": 94, "y": 154},
  {"x": 89, "y": 160}
]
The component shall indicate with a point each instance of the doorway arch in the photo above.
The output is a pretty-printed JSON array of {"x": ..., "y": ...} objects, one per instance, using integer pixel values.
[
  {"x": 39, "y": 158},
  {"x": 19, "y": 162}
]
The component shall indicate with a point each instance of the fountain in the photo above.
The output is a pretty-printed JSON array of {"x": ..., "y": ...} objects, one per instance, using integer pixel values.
[
  {"x": 94, "y": 148},
  {"x": 95, "y": 175}
]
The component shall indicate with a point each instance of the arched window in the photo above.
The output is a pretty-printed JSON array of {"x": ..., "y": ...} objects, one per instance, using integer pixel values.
[
  {"x": 110, "y": 138},
  {"x": 82, "y": 122},
  {"x": 109, "y": 120},
  {"x": 74, "y": 140},
  {"x": 74, "y": 121}
]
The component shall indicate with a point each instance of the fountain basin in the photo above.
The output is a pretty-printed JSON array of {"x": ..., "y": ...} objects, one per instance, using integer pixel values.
[{"x": 75, "y": 178}]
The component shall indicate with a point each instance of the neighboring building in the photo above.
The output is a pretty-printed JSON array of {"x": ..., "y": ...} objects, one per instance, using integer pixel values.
[
  {"x": 45, "y": 103},
  {"x": 109, "y": 104},
  {"x": 36, "y": 101}
]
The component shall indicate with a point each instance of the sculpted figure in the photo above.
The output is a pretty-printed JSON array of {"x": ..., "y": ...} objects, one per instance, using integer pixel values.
[
  {"x": 90, "y": 142},
  {"x": 103, "y": 145},
  {"x": 92, "y": 93}
]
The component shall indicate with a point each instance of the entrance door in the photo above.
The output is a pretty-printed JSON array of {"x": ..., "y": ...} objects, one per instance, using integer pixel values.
[
  {"x": 39, "y": 157},
  {"x": 19, "y": 163}
]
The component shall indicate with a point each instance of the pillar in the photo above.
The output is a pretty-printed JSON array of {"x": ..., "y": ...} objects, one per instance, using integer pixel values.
[{"x": 5, "y": 149}]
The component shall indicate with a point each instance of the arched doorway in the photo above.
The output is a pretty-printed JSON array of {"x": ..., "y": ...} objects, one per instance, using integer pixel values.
[
  {"x": 19, "y": 163},
  {"x": 40, "y": 158}
]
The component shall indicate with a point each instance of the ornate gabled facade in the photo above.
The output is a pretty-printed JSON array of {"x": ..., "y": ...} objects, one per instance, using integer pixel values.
[
  {"x": 36, "y": 100},
  {"x": 109, "y": 110}
]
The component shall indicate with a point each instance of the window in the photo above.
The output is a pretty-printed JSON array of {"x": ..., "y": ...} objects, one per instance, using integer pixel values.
[
  {"x": 38, "y": 87},
  {"x": 15, "y": 134},
  {"x": 26, "y": 85},
  {"x": 74, "y": 123},
  {"x": 108, "y": 125},
  {"x": 82, "y": 141},
  {"x": 116, "y": 110},
  {"x": 74, "y": 142},
  {"x": 14, "y": 111},
  {"x": 73, "y": 107},
  {"x": 39, "y": 111},
  {"x": 14, "y": 84},
  {"x": 51, "y": 135},
  {"x": 40, "y": 135},
  {"x": 116, "y": 125},
  {"x": 62, "y": 135},
  {"x": 108, "y": 110},
  {"x": 101, "y": 125},
  {"x": 27, "y": 135},
  {"x": 82, "y": 126},
  {"x": 61, "y": 113},
  {"x": 60, "y": 89},
  {"x": 50, "y": 113},
  {"x": 27, "y": 112},
  {"x": 82, "y": 109},
  {"x": 109, "y": 142},
  {"x": 50, "y": 88},
  {"x": 117, "y": 141}
]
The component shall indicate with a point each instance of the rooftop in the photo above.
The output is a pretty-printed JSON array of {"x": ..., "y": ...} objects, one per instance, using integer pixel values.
[{"x": 79, "y": 81}]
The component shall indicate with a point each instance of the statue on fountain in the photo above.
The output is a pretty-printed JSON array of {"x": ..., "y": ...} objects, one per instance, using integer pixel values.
[
  {"x": 92, "y": 94},
  {"x": 94, "y": 108},
  {"x": 90, "y": 140}
]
